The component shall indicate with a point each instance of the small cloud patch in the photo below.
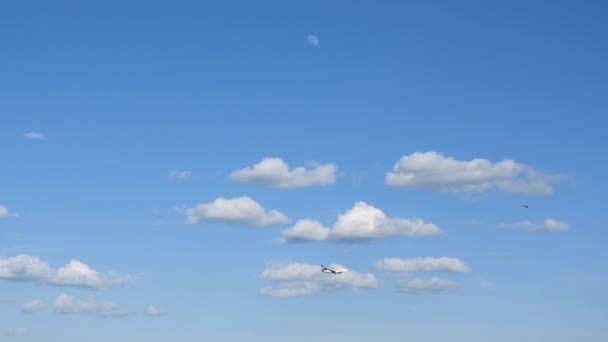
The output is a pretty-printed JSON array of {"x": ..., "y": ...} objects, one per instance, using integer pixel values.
[
  {"x": 75, "y": 273},
  {"x": 443, "y": 264},
  {"x": 34, "y": 135},
  {"x": 548, "y": 225},
  {"x": 274, "y": 172},
  {"x": 153, "y": 310},
  {"x": 180, "y": 176},
  {"x": 32, "y": 306},
  {"x": 239, "y": 210},
  {"x": 66, "y": 304},
  {"x": 6, "y": 213}
]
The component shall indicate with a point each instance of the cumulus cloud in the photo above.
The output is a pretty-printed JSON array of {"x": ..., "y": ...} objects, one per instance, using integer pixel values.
[
  {"x": 66, "y": 304},
  {"x": 4, "y": 212},
  {"x": 243, "y": 210},
  {"x": 443, "y": 264},
  {"x": 180, "y": 176},
  {"x": 34, "y": 135},
  {"x": 420, "y": 285},
  {"x": 153, "y": 310},
  {"x": 15, "y": 332},
  {"x": 432, "y": 171},
  {"x": 275, "y": 172},
  {"x": 426, "y": 286},
  {"x": 25, "y": 267},
  {"x": 32, "y": 306},
  {"x": 362, "y": 222},
  {"x": 548, "y": 225},
  {"x": 299, "y": 279},
  {"x": 312, "y": 40}
]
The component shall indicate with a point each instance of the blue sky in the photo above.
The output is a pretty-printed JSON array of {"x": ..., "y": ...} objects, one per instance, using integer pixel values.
[{"x": 150, "y": 141}]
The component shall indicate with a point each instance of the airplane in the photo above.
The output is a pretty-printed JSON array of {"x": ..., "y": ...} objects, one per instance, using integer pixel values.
[
  {"x": 525, "y": 205},
  {"x": 329, "y": 270}
]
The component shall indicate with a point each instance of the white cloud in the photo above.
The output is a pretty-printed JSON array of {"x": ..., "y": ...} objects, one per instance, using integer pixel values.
[
  {"x": 34, "y": 136},
  {"x": 16, "y": 332},
  {"x": 152, "y": 310},
  {"x": 275, "y": 172},
  {"x": 76, "y": 273},
  {"x": 66, "y": 304},
  {"x": 362, "y": 222},
  {"x": 305, "y": 230},
  {"x": 425, "y": 286},
  {"x": 179, "y": 176},
  {"x": 443, "y": 264},
  {"x": 548, "y": 225},
  {"x": 25, "y": 267},
  {"x": 299, "y": 279},
  {"x": 4, "y": 212},
  {"x": 32, "y": 306},
  {"x": 242, "y": 210},
  {"x": 313, "y": 40},
  {"x": 434, "y": 172}
]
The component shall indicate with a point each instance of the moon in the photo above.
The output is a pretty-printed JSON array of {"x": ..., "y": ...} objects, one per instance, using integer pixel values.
[{"x": 313, "y": 40}]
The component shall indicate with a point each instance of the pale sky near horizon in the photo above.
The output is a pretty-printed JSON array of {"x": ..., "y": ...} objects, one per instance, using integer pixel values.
[{"x": 179, "y": 171}]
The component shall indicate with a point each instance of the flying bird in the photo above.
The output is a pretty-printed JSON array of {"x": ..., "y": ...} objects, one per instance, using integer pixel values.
[
  {"x": 525, "y": 205},
  {"x": 329, "y": 270}
]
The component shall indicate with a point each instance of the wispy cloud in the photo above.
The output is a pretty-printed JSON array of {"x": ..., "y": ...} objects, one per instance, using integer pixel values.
[
  {"x": 66, "y": 304},
  {"x": 497, "y": 254},
  {"x": 434, "y": 172},
  {"x": 180, "y": 176},
  {"x": 421, "y": 285},
  {"x": 153, "y": 310},
  {"x": 157, "y": 223},
  {"x": 299, "y": 279},
  {"x": 243, "y": 210},
  {"x": 274, "y": 172},
  {"x": 25, "y": 267},
  {"x": 426, "y": 286},
  {"x": 313, "y": 40},
  {"x": 14, "y": 332},
  {"x": 362, "y": 222},
  {"x": 548, "y": 225},
  {"x": 443, "y": 264},
  {"x": 34, "y": 135},
  {"x": 5, "y": 212},
  {"x": 471, "y": 223},
  {"x": 32, "y": 306}
]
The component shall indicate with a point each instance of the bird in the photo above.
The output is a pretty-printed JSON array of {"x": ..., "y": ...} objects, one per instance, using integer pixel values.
[{"x": 525, "y": 205}]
